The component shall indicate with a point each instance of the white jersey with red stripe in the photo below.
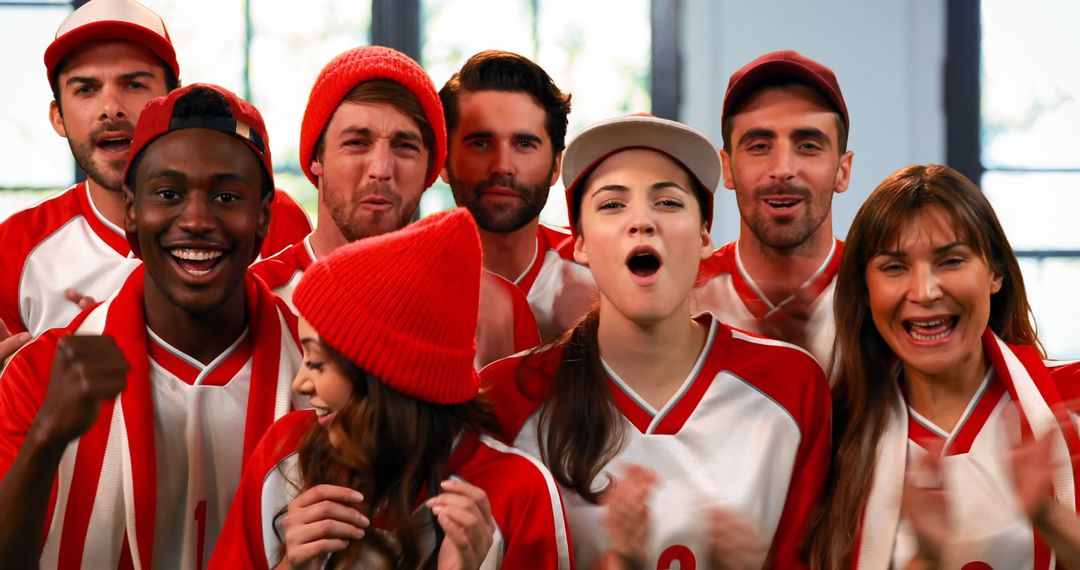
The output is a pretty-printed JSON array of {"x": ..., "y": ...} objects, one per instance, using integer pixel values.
[
  {"x": 64, "y": 242},
  {"x": 748, "y": 431},
  {"x": 559, "y": 289},
  {"x": 282, "y": 271},
  {"x": 173, "y": 444},
  {"x": 530, "y": 526},
  {"x": 726, "y": 290}
]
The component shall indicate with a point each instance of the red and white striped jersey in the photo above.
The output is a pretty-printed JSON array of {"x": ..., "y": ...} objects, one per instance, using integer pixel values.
[
  {"x": 725, "y": 289},
  {"x": 748, "y": 431},
  {"x": 559, "y": 289},
  {"x": 530, "y": 525},
  {"x": 64, "y": 242},
  {"x": 152, "y": 480}
]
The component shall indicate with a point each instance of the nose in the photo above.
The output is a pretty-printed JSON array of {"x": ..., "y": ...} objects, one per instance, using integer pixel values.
[
  {"x": 113, "y": 107},
  {"x": 380, "y": 161},
  {"x": 784, "y": 164},
  {"x": 501, "y": 164},
  {"x": 925, "y": 285},
  {"x": 197, "y": 216},
  {"x": 641, "y": 221},
  {"x": 303, "y": 384}
]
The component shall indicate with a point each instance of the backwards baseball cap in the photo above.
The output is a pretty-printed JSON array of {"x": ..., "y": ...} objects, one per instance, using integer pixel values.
[
  {"x": 782, "y": 67},
  {"x": 110, "y": 20},
  {"x": 159, "y": 117},
  {"x": 354, "y": 67},
  {"x": 686, "y": 145},
  {"x": 403, "y": 306}
]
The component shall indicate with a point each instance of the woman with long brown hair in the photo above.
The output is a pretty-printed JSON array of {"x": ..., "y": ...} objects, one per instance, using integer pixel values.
[
  {"x": 677, "y": 440},
  {"x": 392, "y": 468},
  {"x": 939, "y": 352}
]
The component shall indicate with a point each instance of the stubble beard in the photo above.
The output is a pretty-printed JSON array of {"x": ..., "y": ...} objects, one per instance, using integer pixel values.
[
  {"x": 505, "y": 219},
  {"x": 784, "y": 236},
  {"x": 343, "y": 209}
]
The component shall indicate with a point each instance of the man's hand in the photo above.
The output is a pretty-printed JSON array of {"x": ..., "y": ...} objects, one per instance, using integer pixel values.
[
  {"x": 10, "y": 343},
  {"x": 464, "y": 513},
  {"x": 86, "y": 370},
  {"x": 83, "y": 301},
  {"x": 319, "y": 522}
]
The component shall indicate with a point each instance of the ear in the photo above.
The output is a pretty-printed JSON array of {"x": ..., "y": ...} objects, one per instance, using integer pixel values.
[
  {"x": 996, "y": 283},
  {"x": 263, "y": 227},
  {"x": 316, "y": 168},
  {"x": 843, "y": 172},
  {"x": 56, "y": 119},
  {"x": 129, "y": 209},
  {"x": 444, "y": 175},
  {"x": 556, "y": 170},
  {"x": 706, "y": 243},
  {"x": 729, "y": 175},
  {"x": 580, "y": 254}
]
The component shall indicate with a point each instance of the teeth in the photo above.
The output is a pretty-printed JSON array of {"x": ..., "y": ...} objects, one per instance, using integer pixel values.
[
  {"x": 781, "y": 203},
  {"x": 929, "y": 323},
  {"x": 915, "y": 334},
  {"x": 196, "y": 254},
  {"x": 322, "y": 412}
]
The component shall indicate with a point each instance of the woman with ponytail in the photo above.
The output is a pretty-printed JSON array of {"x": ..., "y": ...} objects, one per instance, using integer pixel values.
[
  {"x": 939, "y": 375},
  {"x": 393, "y": 467},
  {"x": 677, "y": 441}
]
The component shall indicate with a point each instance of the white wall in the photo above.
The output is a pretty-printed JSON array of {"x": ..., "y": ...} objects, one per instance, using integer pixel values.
[{"x": 888, "y": 56}]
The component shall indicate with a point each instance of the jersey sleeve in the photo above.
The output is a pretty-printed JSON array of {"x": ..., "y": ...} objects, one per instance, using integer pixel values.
[
  {"x": 1066, "y": 376},
  {"x": 517, "y": 386},
  {"x": 240, "y": 544},
  {"x": 288, "y": 224},
  {"x": 813, "y": 411},
  {"x": 12, "y": 260},
  {"x": 23, "y": 385}
]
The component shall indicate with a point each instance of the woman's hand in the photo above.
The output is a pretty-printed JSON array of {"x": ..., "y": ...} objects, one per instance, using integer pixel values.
[
  {"x": 627, "y": 521},
  {"x": 464, "y": 513},
  {"x": 319, "y": 522},
  {"x": 735, "y": 543},
  {"x": 926, "y": 506}
]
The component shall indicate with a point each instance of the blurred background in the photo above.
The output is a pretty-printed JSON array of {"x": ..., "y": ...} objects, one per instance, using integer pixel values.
[{"x": 990, "y": 87}]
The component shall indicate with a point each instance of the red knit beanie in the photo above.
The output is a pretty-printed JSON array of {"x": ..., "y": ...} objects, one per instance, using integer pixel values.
[
  {"x": 355, "y": 67},
  {"x": 403, "y": 306}
]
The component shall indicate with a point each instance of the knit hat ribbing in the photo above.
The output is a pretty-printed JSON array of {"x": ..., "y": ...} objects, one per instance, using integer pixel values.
[
  {"x": 403, "y": 306},
  {"x": 354, "y": 67}
]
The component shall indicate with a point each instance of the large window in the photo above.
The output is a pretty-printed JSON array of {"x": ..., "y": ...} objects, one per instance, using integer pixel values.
[
  {"x": 1026, "y": 157},
  {"x": 270, "y": 53}
]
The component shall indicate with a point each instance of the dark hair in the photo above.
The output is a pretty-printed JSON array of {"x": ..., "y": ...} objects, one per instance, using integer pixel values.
[
  {"x": 494, "y": 70},
  {"x": 861, "y": 367},
  {"x": 729, "y": 120},
  {"x": 579, "y": 427},
  {"x": 397, "y": 96},
  {"x": 171, "y": 82},
  {"x": 392, "y": 447},
  {"x": 199, "y": 102}
]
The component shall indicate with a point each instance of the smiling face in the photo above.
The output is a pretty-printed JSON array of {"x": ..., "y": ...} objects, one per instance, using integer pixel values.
[
  {"x": 321, "y": 379},
  {"x": 642, "y": 234},
  {"x": 930, "y": 297},
  {"x": 103, "y": 87},
  {"x": 784, "y": 165},
  {"x": 501, "y": 162},
  {"x": 199, "y": 213},
  {"x": 371, "y": 170}
]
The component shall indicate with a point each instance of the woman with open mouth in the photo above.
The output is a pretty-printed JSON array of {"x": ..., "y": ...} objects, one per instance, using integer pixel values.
[
  {"x": 940, "y": 377},
  {"x": 393, "y": 467},
  {"x": 674, "y": 437}
]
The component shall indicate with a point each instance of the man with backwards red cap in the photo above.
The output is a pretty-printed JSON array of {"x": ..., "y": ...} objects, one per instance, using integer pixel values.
[
  {"x": 108, "y": 59},
  {"x": 785, "y": 127},
  {"x": 122, "y": 436},
  {"x": 373, "y": 139}
]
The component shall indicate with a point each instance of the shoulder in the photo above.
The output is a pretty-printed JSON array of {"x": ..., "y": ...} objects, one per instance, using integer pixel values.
[
  {"x": 517, "y": 385},
  {"x": 511, "y": 478},
  {"x": 557, "y": 239},
  {"x": 721, "y": 262},
  {"x": 282, "y": 438},
  {"x": 24, "y": 230},
  {"x": 279, "y": 268}
]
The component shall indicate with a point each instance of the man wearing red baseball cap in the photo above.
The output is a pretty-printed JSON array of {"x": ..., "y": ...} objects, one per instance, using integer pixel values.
[
  {"x": 122, "y": 436},
  {"x": 785, "y": 128},
  {"x": 108, "y": 59}
]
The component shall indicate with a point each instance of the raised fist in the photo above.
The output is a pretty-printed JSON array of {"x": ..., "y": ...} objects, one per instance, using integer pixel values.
[{"x": 86, "y": 370}]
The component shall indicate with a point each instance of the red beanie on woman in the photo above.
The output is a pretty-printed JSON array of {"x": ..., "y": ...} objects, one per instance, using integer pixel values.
[{"x": 403, "y": 306}]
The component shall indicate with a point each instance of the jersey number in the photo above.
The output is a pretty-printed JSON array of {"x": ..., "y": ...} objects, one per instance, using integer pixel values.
[{"x": 677, "y": 557}]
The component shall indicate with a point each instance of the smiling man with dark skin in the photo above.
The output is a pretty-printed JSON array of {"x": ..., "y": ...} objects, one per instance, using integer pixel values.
[{"x": 123, "y": 435}]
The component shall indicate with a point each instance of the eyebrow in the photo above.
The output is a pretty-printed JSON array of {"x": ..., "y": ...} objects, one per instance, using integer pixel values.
[
  {"x": 756, "y": 134},
  {"x": 654, "y": 188},
  {"x": 366, "y": 132},
  {"x": 84, "y": 80},
  {"x": 937, "y": 250},
  {"x": 309, "y": 341},
  {"x": 811, "y": 133},
  {"x": 216, "y": 177},
  {"x": 490, "y": 135}
]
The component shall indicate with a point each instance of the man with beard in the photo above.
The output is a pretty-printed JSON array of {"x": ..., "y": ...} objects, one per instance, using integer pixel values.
[
  {"x": 506, "y": 121},
  {"x": 123, "y": 435},
  {"x": 108, "y": 59},
  {"x": 785, "y": 127}
]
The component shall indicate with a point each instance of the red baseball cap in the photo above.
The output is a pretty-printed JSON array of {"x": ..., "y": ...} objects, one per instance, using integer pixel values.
[
  {"x": 780, "y": 67},
  {"x": 157, "y": 120},
  {"x": 684, "y": 144},
  {"x": 110, "y": 20}
]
